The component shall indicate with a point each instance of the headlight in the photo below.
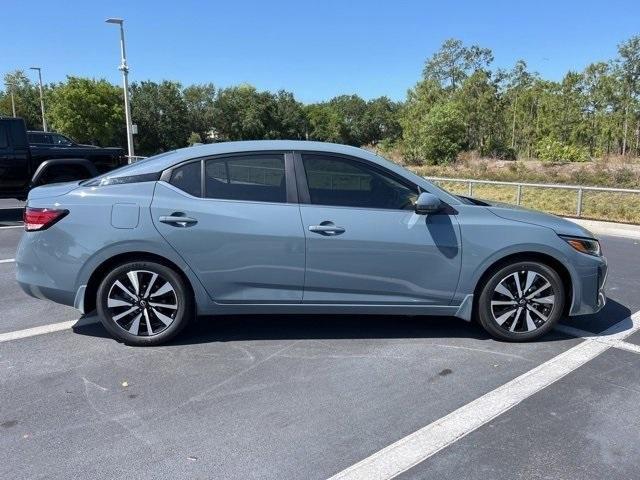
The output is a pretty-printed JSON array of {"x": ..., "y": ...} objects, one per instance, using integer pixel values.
[{"x": 590, "y": 246}]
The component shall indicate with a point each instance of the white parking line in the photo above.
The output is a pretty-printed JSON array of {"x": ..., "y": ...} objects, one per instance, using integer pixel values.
[
  {"x": 422, "y": 444},
  {"x": 8, "y": 260},
  {"x": 11, "y": 226},
  {"x": 52, "y": 327}
]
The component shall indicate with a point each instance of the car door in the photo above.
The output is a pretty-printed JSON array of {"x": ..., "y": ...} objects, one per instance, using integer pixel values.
[
  {"x": 365, "y": 244},
  {"x": 235, "y": 221}
]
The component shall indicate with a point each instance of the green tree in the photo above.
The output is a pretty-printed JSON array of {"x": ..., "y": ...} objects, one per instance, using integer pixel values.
[
  {"x": 88, "y": 110},
  {"x": 242, "y": 113},
  {"x": 323, "y": 123},
  {"x": 629, "y": 68},
  {"x": 25, "y": 97},
  {"x": 161, "y": 113},
  {"x": 288, "y": 120},
  {"x": 450, "y": 65},
  {"x": 199, "y": 101}
]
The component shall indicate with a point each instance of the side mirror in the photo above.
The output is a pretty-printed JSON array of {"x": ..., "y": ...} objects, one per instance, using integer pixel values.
[{"x": 428, "y": 203}]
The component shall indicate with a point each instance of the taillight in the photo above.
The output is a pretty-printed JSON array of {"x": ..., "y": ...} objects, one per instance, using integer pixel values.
[{"x": 41, "y": 218}]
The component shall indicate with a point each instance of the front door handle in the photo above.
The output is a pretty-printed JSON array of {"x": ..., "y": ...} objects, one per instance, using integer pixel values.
[
  {"x": 178, "y": 219},
  {"x": 327, "y": 228}
]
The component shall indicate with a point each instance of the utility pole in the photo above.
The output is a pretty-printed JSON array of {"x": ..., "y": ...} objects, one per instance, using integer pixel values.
[
  {"x": 125, "y": 82},
  {"x": 44, "y": 121}
]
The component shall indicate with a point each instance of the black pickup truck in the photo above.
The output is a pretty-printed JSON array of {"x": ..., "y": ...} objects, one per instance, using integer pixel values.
[{"x": 24, "y": 166}]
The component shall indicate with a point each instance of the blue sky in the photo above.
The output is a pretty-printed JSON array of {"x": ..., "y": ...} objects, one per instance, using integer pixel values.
[{"x": 314, "y": 49}]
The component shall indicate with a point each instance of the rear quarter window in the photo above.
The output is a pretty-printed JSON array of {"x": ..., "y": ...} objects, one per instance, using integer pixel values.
[{"x": 188, "y": 178}]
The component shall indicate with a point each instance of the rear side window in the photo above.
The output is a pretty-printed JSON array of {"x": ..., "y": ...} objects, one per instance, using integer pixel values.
[
  {"x": 343, "y": 182},
  {"x": 188, "y": 178},
  {"x": 258, "y": 178}
]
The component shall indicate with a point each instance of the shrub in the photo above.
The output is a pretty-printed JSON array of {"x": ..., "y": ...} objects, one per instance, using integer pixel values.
[
  {"x": 441, "y": 134},
  {"x": 497, "y": 149},
  {"x": 550, "y": 150}
]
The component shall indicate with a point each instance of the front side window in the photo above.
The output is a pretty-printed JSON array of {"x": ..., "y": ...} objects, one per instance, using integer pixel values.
[
  {"x": 188, "y": 178},
  {"x": 258, "y": 178},
  {"x": 60, "y": 140},
  {"x": 342, "y": 182},
  {"x": 39, "y": 138}
]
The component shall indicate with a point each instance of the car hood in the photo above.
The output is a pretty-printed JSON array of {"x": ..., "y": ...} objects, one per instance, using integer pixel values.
[
  {"x": 52, "y": 190},
  {"x": 525, "y": 215}
]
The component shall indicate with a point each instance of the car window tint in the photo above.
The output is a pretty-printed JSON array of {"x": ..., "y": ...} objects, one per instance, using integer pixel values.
[
  {"x": 259, "y": 178},
  {"x": 341, "y": 182},
  {"x": 187, "y": 178},
  {"x": 4, "y": 141},
  {"x": 59, "y": 140}
]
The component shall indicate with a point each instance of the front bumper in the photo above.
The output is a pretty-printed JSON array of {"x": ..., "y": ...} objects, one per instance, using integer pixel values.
[{"x": 589, "y": 286}]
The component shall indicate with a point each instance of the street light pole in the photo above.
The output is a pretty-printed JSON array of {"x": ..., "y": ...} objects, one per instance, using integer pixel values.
[
  {"x": 44, "y": 121},
  {"x": 13, "y": 103},
  {"x": 125, "y": 81}
]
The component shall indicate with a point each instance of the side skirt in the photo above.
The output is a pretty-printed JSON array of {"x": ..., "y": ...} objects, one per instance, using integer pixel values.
[{"x": 335, "y": 309}]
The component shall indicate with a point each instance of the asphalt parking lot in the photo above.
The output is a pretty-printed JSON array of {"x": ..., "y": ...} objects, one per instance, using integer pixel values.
[{"x": 307, "y": 397}]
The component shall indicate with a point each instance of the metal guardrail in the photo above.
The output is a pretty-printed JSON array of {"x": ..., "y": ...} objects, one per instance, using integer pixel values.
[{"x": 519, "y": 186}]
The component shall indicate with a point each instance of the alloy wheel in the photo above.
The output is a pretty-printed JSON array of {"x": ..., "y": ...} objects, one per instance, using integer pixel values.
[
  {"x": 142, "y": 302},
  {"x": 522, "y": 301}
]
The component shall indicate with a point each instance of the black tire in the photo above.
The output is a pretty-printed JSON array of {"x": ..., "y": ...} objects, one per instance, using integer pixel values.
[
  {"x": 153, "y": 308},
  {"x": 536, "y": 311}
]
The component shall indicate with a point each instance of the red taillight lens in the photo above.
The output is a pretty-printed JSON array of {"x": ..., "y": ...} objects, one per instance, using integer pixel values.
[{"x": 41, "y": 218}]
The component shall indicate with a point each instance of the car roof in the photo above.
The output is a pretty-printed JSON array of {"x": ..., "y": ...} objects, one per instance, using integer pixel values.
[{"x": 166, "y": 160}]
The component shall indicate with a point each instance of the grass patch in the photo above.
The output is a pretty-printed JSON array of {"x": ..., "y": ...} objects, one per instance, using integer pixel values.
[{"x": 608, "y": 206}]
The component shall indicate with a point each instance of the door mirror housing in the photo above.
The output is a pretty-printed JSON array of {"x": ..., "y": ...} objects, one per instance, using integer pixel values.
[{"x": 428, "y": 203}]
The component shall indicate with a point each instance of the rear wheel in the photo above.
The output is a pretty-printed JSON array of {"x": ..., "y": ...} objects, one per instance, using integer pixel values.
[
  {"x": 144, "y": 303},
  {"x": 521, "y": 301}
]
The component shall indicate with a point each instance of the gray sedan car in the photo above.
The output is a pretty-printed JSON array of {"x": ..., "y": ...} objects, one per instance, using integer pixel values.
[{"x": 297, "y": 227}]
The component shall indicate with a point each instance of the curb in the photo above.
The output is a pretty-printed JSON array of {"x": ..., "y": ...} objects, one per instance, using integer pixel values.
[{"x": 609, "y": 228}]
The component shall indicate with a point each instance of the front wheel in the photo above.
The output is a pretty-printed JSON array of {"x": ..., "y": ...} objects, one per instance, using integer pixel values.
[
  {"x": 521, "y": 301},
  {"x": 144, "y": 303}
]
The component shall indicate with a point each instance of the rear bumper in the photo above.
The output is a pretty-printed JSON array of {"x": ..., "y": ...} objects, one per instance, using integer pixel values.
[{"x": 47, "y": 293}]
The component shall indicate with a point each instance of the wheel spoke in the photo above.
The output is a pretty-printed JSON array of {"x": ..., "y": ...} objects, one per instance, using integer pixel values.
[
  {"x": 516, "y": 277},
  {"x": 531, "y": 277},
  {"x": 543, "y": 317},
  {"x": 530, "y": 323},
  {"x": 162, "y": 317},
  {"x": 133, "y": 278},
  {"x": 146, "y": 319},
  {"x": 503, "y": 302},
  {"x": 164, "y": 305},
  {"x": 166, "y": 288},
  {"x": 541, "y": 289},
  {"x": 515, "y": 320},
  {"x": 151, "y": 282},
  {"x": 113, "y": 302},
  {"x": 504, "y": 290},
  {"x": 548, "y": 300},
  {"x": 505, "y": 316},
  {"x": 135, "y": 325},
  {"x": 119, "y": 284},
  {"x": 125, "y": 313}
]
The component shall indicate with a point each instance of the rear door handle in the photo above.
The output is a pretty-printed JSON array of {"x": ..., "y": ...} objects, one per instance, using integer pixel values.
[
  {"x": 178, "y": 219},
  {"x": 327, "y": 228}
]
